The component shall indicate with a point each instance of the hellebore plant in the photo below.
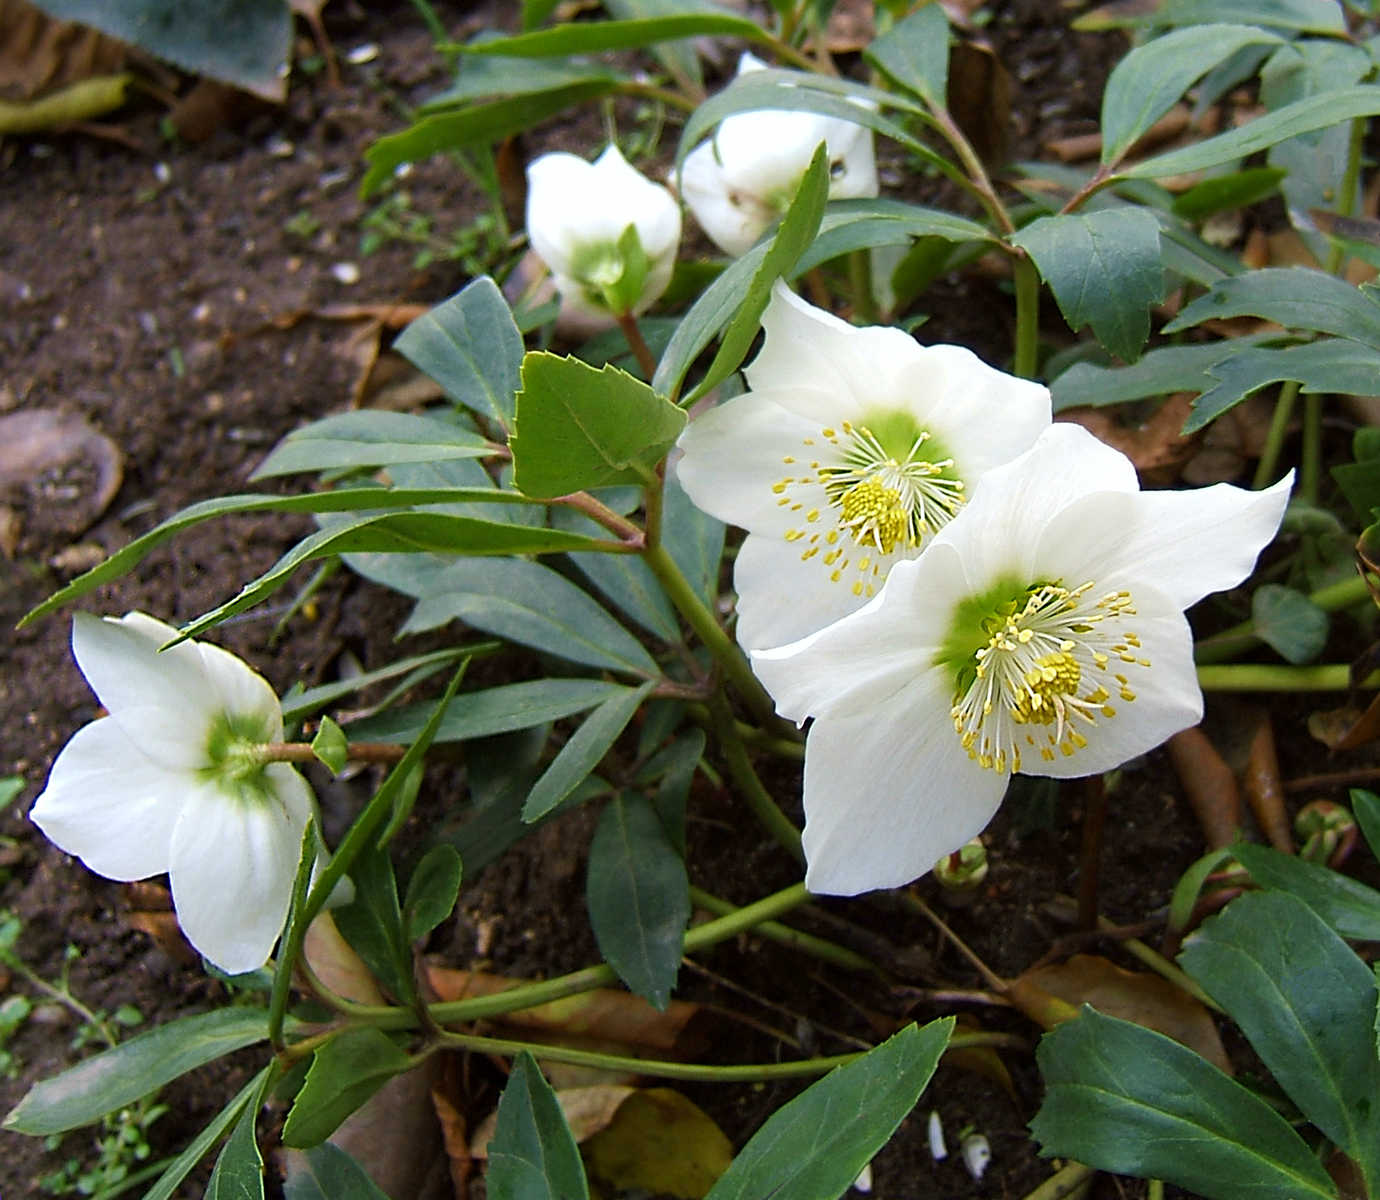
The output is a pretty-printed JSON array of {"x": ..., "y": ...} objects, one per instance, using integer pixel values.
[
  {"x": 1041, "y": 631},
  {"x": 608, "y": 233},
  {"x": 744, "y": 178},
  {"x": 852, "y": 449},
  {"x": 174, "y": 780}
]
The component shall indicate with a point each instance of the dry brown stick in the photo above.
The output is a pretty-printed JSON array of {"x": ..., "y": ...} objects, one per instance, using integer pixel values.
[{"x": 1339, "y": 779}]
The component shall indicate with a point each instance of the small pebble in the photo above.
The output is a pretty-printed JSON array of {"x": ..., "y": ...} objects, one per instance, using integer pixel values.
[
  {"x": 977, "y": 1153},
  {"x": 346, "y": 272},
  {"x": 938, "y": 1151},
  {"x": 362, "y": 54},
  {"x": 162, "y": 172}
]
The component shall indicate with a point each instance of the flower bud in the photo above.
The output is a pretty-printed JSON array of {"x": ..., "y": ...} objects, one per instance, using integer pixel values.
[
  {"x": 608, "y": 233},
  {"x": 965, "y": 869},
  {"x": 745, "y": 177},
  {"x": 1327, "y": 831}
]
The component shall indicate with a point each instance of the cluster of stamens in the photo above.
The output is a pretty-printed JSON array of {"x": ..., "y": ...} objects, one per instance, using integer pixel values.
[
  {"x": 1023, "y": 687},
  {"x": 883, "y": 503}
]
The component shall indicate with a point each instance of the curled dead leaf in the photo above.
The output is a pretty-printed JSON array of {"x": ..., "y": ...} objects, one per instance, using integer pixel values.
[
  {"x": 1147, "y": 1000},
  {"x": 1265, "y": 788},
  {"x": 336, "y": 965},
  {"x": 1209, "y": 785},
  {"x": 1156, "y": 448},
  {"x": 587, "y": 1110}
]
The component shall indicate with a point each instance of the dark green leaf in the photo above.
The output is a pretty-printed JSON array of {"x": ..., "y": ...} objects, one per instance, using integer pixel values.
[
  {"x": 794, "y": 234},
  {"x": 1296, "y": 16},
  {"x": 1295, "y": 297},
  {"x": 470, "y": 345},
  {"x": 532, "y": 1155},
  {"x": 372, "y": 924},
  {"x": 534, "y": 12},
  {"x": 494, "y": 710},
  {"x": 814, "y": 1147},
  {"x": 117, "y": 1077},
  {"x": 694, "y": 539},
  {"x": 345, "y": 500},
  {"x": 1104, "y": 269},
  {"x": 1223, "y": 193},
  {"x": 639, "y": 897},
  {"x": 326, "y": 1172},
  {"x": 1289, "y": 622},
  {"x": 625, "y": 579},
  {"x": 583, "y": 752},
  {"x": 1150, "y": 80},
  {"x": 1360, "y": 484},
  {"x": 343, "y": 1074},
  {"x": 239, "y": 1170},
  {"x": 580, "y": 428},
  {"x": 591, "y": 37},
  {"x": 673, "y": 794},
  {"x": 481, "y": 124},
  {"x": 424, "y": 665},
  {"x": 330, "y": 746},
  {"x": 241, "y": 42},
  {"x": 1307, "y": 1004},
  {"x": 532, "y": 605},
  {"x": 1125, "y": 1099},
  {"x": 1159, "y": 372},
  {"x": 370, "y": 438},
  {"x": 178, "y": 1170},
  {"x": 1350, "y": 907},
  {"x": 431, "y": 892},
  {"x": 1331, "y": 365},
  {"x": 1316, "y": 112},
  {"x": 850, "y": 225},
  {"x": 915, "y": 53},
  {"x": 1366, "y": 806},
  {"x": 481, "y": 77}
]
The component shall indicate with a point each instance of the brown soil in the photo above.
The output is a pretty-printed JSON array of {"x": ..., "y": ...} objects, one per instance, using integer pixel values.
[{"x": 135, "y": 290}]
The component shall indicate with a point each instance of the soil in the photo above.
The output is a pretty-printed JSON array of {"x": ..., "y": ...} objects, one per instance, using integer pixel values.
[{"x": 138, "y": 289}]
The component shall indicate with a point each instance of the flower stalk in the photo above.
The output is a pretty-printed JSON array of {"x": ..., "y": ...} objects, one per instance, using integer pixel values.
[{"x": 750, "y": 786}]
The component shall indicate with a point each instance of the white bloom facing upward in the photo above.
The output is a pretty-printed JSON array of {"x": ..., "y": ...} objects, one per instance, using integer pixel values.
[
  {"x": 745, "y": 177},
  {"x": 853, "y": 448},
  {"x": 1042, "y": 631},
  {"x": 172, "y": 781},
  {"x": 608, "y": 233}
]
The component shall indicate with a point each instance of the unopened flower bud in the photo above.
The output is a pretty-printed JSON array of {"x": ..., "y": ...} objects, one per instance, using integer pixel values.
[
  {"x": 1326, "y": 831},
  {"x": 965, "y": 869},
  {"x": 977, "y": 1153}
]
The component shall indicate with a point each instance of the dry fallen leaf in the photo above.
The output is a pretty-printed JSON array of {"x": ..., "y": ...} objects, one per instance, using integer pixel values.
[
  {"x": 980, "y": 99},
  {"x": 1265, "y": 788},
  {"x": 40, "y": 55},
  {"x": 1156, "y": 448},
  {"x": 1148, "y": 1000},
  {"x": 1209, "y": 785},
  {"x": 850, "y": 28},
  {"x": 662, "y": 1143},
  {"x": 587, "y": 1110},
  {"x": 981, "y": 1060},
  {"x": 336, "y": 965}
]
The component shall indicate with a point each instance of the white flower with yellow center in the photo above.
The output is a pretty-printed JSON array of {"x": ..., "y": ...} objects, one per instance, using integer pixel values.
[
  {"x": 1042, "y": 631},
  {"x": 174, "y": 780},
  {"x": 853, "y": 448},
  {"x": 745, "y": 177}
]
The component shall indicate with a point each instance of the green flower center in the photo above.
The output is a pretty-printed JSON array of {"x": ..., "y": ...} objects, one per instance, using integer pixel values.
[
  {"x": 1031, "y": 663},
  {"x": 889, "y": 484},
  {"x": 234, "y": 758}
]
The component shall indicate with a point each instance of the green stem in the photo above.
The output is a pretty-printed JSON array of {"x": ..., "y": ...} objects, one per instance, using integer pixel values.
[
  {"x": 1310, "y": 475},
  {"x": 707, "y": 628},
  {"x": 61, "y": 995},
  {"x": 1269, "y": 677},
  {"x": 531, "y": 995},
  {"x": 764, "y": 808},
  {"x": 860, "y": 279},
  {"x": 786, "y": 936},
  {"x": 1062, "y": 1183},
  {"x": 1157, "y": 962},
  {"x": 1027, "y": 317},
  {"x": 745, "y": 1073},
  {"x": 979, "y": 180},
  {"x": 1274, "y": 440},
  {"x": 788, "y": 53},
  {"x": 637, "y": 344},
  {"x": 1239, "y": 638},
  {"x": 646, "y": 91}
]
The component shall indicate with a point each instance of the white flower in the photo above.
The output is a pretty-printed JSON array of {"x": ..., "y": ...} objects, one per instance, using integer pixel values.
[
  {"x": 608, "y": 233},
  {"x": 1042, "y": 631},
  {"x": 171, "y": 781},
  {"x": 745, "y": 177},
  {"x": 852, "y": 448}
]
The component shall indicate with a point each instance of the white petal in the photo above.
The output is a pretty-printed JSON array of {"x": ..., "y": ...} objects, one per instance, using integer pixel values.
[
  {"x": 983, "y": 416},
  {"x": 1167, "y": 695},
  {"x": 1008, "y": 511},
  {"x": 559, "y": 206},
  {"x": 732, "y": 220},
  {"x": 855, "y": 172},
  {"x": 232, "y": 867},
  {"x": 783, "y": 597},
  {"x": 890, "y": 791},
  {"x": 1190, "y": 543},
  {"x": 163, "y": 701},
  {"x": 807, "y": 348},
  {"x": 867, "y": 658},
  {"x": 733, "y": 456},
  {"x": 111, "y": 805}
]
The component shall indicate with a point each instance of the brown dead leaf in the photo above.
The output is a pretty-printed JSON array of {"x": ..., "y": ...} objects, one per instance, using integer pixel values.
[
  {"x": 1146, "y": 999},
  {"x": 662, "y": 1143},
  {"x": 1351, "y": 1183},
  {"x": 336, "y": 965},
  {"x": 587, "y": 1110},
  {"x": 1082, "y": 147},
  {"x": 163, "y": 928},
  {"x": 603, "y": 1013},
  {"x": 1265, "y": 788},
  {"x": 396, "y": 1138},
  {"x": 1156, "y": 448},
  {"x": 40, "y": 55},
  {"x": 61, "y": 464},
  {"x": 980, "y": 99},
  {"x": 453, "y": 1137},
  {"x": 850, "y": 28},
  {"x": 1330, "y": 726},
  {"x": 1209, "y": 785},
  {"x": 210, "y": 106},
  {"x": 981, "y": 1060}
]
